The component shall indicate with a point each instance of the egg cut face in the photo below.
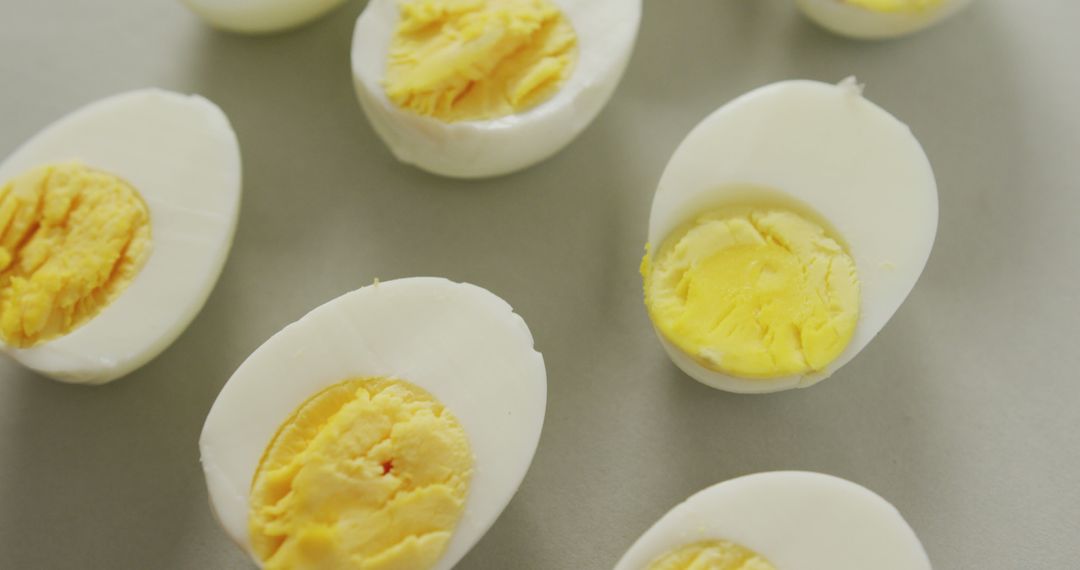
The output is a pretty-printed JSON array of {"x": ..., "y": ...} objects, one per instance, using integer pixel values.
[
  {"x": 785, "y": 231},
  {"x": 380, "y": 458},
  {"x": 879, "y": 19},
  {"x": 73, "y": 239},
  {"x": 260, "y": 16},
  {"x": 115, "y": 223},
  {"x": 477, "y": 88},
  {"x": 754, "y": 293},
  {"x": 711, "y": 555},
  {"x": 386, "y": 429},
  {"x": 777, "y": 521},
  {"x": 459, "y": 60}
]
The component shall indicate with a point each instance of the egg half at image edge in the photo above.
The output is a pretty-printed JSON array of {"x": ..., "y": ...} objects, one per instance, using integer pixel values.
[
  {"x": 115, "y": 223},
  {"x": 785, "y": 231},
  {"x": 387, "y": 428},
  {"x": 879, "y": 19},
  {"x": 480, "y": 88},
  {"x": 260, "y": 16},
  {"x": 785, "y": 520}
]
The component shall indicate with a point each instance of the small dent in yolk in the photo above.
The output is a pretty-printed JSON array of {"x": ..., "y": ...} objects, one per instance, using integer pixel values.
[
  {"x": 712, "y": 555},
  {"x": 71, "y": 240},
  {"x": 368, "y": 474},
  {"x": 753, "y": 292},
  {"x": 892, "y": 6},
  {"x": 460, "y": 60}
]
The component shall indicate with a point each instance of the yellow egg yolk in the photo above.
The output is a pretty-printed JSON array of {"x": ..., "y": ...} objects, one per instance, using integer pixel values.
[
  {"x": 71, "y": 240},
  {"x": 460, "y": 60},
  {"x": 753, "y": 293},
  {"x": 895, "y": 5},
  {"x": 711, "y": 555},
  {"x": 368, "y": 474}
]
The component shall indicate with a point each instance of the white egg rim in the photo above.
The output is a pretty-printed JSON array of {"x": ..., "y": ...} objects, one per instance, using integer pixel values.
[
  {"x": 682, "y": 198},
  {"x": 273, "y": 16},
  {"x": 502, "y": 456},
  {"x": 577, "y": 102},
  {"x": 735, "y": 511},
  {"x": 860, "y": 23},
  {"x": 137, "y": 325}
]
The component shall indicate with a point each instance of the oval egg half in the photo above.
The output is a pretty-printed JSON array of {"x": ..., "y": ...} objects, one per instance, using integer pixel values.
[
  {"x": 180, "y": 155},
  {"x": 822, "y": 151},
  {"x": 459, "y": 343},
  {"x": 605, "y": 31},
  {"x": 785, "y": 520}
]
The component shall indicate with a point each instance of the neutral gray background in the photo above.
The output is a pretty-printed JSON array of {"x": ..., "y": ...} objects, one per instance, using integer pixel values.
[{"x": 964, "y": 412}]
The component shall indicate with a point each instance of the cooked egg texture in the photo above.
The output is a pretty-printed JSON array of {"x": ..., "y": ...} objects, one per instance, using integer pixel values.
[
  {"x": 73, "y": 239},
  {"x": 785, "y": 231},
  {"x": 386, "y": 429},
  {"x": 260, "y": 16},
  {"x": 879, "y": 19},
  {"x": 711, "y": 555},
  {"x": 115, "y": 222},
  {"x": 468, "y": 59},
  {"x": 381, "y": 459},
  {"x": 756, "y": 293},
  {"x": 476, "y": 88},
  {"x": 779, "y": 521}
]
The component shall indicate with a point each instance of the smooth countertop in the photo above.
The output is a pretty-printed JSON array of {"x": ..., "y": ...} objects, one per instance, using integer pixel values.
[{"x": 964, "y": 412}]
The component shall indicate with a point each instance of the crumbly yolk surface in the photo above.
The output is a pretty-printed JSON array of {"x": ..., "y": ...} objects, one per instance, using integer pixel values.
[
  {"x": 753, "y": 293},
  {"x": 712, "y": 555},
  {"x": 71, "y": 240},
  {"x": 368, "y": 474},
  {"x": 895, "y": 5},
  {"x": 460, "y": 60}
]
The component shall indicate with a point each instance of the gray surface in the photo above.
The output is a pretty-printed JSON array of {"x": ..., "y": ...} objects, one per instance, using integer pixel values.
[{"x": 964, "y": 412}]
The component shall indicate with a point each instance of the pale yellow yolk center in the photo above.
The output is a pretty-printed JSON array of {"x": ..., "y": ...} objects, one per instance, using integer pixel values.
[
  {"x": 71, "y": 240},
  {"x": 753, "y": 293},
  {"x": 368, "y": 474},
  {"x": 460, "y": 60},
  {"x": 711, "y": 555},
  {"x": 895, "y": 5}
]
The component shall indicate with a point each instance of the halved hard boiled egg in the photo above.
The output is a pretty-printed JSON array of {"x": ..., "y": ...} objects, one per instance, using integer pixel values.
[
  {"x": 477, "y": 88},
  {"x": 260, "y": 16},
  {"x": 786, "y": 520},
  {"x": 879, "y": 19},
  {"x": 115, "y": 222},
  {"x": 786, "y": 230},
  {"x": 388, "y": 428}
]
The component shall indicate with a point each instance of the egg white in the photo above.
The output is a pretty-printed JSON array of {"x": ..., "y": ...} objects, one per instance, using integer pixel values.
[
  {"x": 459, "y": 342},
  {"x": 181, "y": 154},
  {"x": 260, "y": 16},
  {"x": 796, "y": 520},
  {"x": 825, "y": 147},
  {"x": 853, "y": 21},
  {"x": 606, "y": 31}
]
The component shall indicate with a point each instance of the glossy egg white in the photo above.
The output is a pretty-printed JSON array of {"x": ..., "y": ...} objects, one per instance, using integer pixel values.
[
  {"x": 830, "y": 150},
  {"x": 181, "y": 154},
  {"x": 794, "y": 519},
  {"x": 260, "y": 16},
  {"x": 854, "y": 21},
  {"x": 606, "y": 31},
  {"x": 461, "y": 343}
]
